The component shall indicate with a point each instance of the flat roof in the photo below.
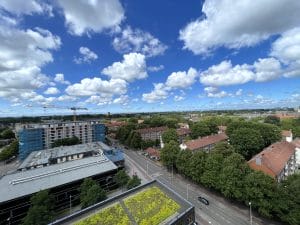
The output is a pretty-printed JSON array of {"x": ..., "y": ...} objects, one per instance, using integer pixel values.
[
  {"x": 43, "y": 156},
  {"x": 20, "y": 126},
  {"x": 120, "y": 199},
  {"x": 27, "y": 182}
]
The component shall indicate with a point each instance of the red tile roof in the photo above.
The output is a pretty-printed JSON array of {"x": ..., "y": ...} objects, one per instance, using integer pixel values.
[
  {"x": 272, "y": 159},
  {"x": 205, "y": 141},
  {"x": 183, "y": 131},
  {"x": 153, "y": 152},
  {"x": 151, "y": 129},
  {"x": 286, "y": 133}
]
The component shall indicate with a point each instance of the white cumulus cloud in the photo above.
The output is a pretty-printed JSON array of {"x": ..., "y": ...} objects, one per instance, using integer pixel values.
[
  {"x": 236, "y": 24},
  {"x": 96, "y": 86},
  {"x": 51, "y": 91},
  {"x": 182, "y": 79},
  {"x": 160, "y": 92},
  {"x": 85, "y": 16},
  {"x": 86, "y": 56},
  {"x": 136, "y": 40},
  {"x": 131, "y": 68},
  {"x": 60, "y": 78}
]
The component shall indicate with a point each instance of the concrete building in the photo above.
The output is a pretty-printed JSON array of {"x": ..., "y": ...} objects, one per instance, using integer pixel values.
[
  {"x": 205, "y": 143},
  {"x": 184, "y": 215},
  {"x": 278, "y": 160},
  {"x": 33, "y": 137},
  {"x": 152, "y": 133},
  {"x": 62, "y": 178}
]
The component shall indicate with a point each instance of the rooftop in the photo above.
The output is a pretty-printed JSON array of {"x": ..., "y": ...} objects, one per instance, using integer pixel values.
[
  {"x": 54, "y": 124},
  {"x": 286, "y": 133},
  {"x": 272, "y": 159},
  {"x": 43, "y": 156},
  {"x": 152, "y": 129},
  {"x": 153, "y": 152},
  {"x": 205, "y": 141},
  {"x": 135, "y": 207},
  {"x": 27, "y": 182}
]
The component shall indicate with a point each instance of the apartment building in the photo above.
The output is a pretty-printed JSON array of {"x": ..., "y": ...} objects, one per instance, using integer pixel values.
[
  {"x": 33, "y": 137},
  {"x": 153, "y": 133},
  {"x": 205, "y": 143},
  {"x": 278, "y": 160}
]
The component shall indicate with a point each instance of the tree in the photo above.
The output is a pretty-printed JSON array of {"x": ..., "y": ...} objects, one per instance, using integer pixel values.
[
  {"x": 169, "y": 154},
  {"x": 212, "y": 125},
  {"x": 148, "y": 143},
  {"x": 121, "y": 178},
  {"x": 133, "y": 182},
  {"x": 272, "y": 120},
  {"x": 7, "y": 134},
  {"x": 41, "y": 210},
  {"x": 247, "y": 142},
  {"x": 183, "y": 163},
  {"x": 169, "y": 135},
  {"x": 260, "y": 189},
  {"x": 224, "y": 149},
  {"x": 136, "y": 140},
  {"x": 287, "y": 200},
  {"x": 90, "y": 193},
  {"x": 231, "y": 179},
  {"x": 197, "y": 163},
  {"x": 212, "y": 168},
  {"x": 10, "y": 150},
  {"x": 200, "y": 129}
]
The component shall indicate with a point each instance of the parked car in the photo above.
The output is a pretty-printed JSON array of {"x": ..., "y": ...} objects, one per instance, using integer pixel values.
[{"x": 203, "y": 200}]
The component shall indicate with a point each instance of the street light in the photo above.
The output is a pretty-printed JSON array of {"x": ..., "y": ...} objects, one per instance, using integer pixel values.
[
  {"x": 250, "y": 213},
  {"x": 187, "y": 191}
]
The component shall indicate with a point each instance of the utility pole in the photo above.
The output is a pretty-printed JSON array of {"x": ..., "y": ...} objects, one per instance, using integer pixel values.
[{"x": 250, "y": 213}]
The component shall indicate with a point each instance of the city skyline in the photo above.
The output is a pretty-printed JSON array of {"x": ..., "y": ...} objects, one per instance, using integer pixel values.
[{"x": 139, "y": 56}]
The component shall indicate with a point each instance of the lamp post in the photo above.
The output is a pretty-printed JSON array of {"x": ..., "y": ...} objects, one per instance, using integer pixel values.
[
  {"x": 250, "y": 213},
  {"x": 187, "y": 191}
]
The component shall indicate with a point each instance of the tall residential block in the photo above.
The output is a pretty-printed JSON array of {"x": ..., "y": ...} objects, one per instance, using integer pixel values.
[{"x": 33, "y": 137}]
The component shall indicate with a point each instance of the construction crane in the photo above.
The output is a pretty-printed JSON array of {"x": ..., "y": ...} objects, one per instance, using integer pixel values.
[{"x": 73, "y": 108}]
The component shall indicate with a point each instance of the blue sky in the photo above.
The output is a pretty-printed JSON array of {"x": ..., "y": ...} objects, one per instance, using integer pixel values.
[{"x": 139, "y": 56}]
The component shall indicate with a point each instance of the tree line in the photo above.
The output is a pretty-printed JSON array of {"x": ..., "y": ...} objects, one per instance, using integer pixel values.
[{"x": 226, "y": 171}]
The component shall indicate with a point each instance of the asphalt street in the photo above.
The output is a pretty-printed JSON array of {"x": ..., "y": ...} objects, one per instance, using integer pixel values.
[{"x": 218, "y": 212}]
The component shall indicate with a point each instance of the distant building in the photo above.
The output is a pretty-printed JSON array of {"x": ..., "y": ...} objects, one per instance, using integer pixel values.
[
  {"x": 153, "y": 133},
  {"x": 63, "y": 177},
  {"x": 287, "y": 115},
  {"x": 287, "y": 135},
  {"x": 153, "y": 153},
  {"x": 205, "y": 143},
  {"x": 33, "y": 137},
  {"x": 296, "y": 143},
  {"x": 278, "y": 160},
  {"x": 222, "y": 129},
  {"x": 184, "y": 125},
  {"x": 113, "y": 126},
  {"x": 184, "y": 215},
  {"x": 182, "y": 134}
]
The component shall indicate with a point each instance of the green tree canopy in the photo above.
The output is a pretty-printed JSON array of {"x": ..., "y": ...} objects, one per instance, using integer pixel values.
[
  {"x": 121, "y": 178},
  {"x": 7, "y": 134},
  {"x": 169, "y": 135},
  {"x": 41, "y": 210},
  {"x": 247, "y": 142},
  {"x": 224, "y": 149},
  {"x": 272, "y": 120},
  {"x": 90, "y": 193},
  {"x": 169, "y": 154},
  {"x": 200, "y": 129},
  {"x": 133, "y": 182},
  {"x": 10, "y": 150}
]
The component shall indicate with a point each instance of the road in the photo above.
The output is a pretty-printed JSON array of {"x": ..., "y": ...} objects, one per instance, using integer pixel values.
[{"x": 218, "y": 212}]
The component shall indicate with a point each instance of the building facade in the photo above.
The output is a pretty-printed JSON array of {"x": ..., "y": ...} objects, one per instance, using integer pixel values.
[
  {"x": 277, "y": 160},
  {"x": 153, "y": 133},
  {"x": 33, "y": 137}
]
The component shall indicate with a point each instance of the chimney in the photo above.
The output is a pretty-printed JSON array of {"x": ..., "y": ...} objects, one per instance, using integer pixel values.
[{"x": 258, "y": 160}]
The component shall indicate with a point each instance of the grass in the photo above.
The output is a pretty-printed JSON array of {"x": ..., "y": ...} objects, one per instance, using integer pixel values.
[
  {"x": 113, "y": 215},
  {"x": 151, "y": 206}
]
